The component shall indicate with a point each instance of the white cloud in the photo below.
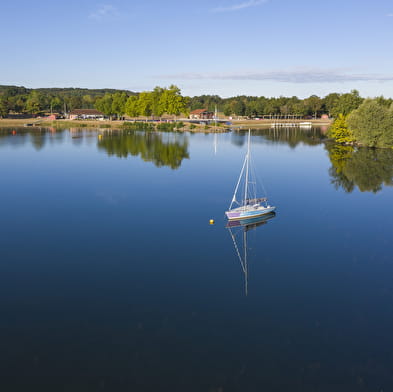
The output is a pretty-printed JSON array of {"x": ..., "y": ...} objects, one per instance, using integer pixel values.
[
  {"x": 290, "y": 76},
  {"x": 104, "y": 12},
  {"x": 390, "y": 14},
  {"x": 239, "y": 6}
]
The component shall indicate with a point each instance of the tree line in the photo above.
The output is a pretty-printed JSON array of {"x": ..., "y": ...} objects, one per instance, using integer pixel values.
[
  {"x": 251, "y": 106},
  {"x": 147, "y": 103},
  {"x": 20, "y": 100}
]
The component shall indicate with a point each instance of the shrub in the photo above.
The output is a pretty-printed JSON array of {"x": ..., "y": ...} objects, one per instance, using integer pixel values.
[{"x": 340, "y": 132}]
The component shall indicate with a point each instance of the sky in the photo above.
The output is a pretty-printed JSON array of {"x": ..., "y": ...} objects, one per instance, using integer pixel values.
[{"x": 225, "y": 47}]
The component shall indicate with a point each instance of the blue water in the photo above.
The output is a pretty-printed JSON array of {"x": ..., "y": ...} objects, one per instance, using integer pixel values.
[{"x": 112, "y": 278}]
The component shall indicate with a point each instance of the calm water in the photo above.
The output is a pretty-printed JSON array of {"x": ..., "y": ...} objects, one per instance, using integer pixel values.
[{"x": 112, "y": 279}]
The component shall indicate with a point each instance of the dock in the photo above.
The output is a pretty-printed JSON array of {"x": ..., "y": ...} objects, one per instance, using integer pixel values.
[{"x": 291, "y": 125}]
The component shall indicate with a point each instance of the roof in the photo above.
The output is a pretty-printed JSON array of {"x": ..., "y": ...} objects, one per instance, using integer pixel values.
[
  {"x": 91, "y": 112},
  {"x": 198, "y": 111}
]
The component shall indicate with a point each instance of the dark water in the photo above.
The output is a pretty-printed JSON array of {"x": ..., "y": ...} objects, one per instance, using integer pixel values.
[{"x": 112, "y": 279}]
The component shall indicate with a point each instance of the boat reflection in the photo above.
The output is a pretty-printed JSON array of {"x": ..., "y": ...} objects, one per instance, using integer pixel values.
[{"x": 240, "y": 228}]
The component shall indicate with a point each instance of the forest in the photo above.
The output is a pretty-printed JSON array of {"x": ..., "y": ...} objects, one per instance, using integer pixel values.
[{"x": 20, "y": 100}]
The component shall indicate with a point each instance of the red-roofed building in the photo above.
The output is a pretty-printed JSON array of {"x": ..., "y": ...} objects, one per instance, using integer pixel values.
[{"x": 199, "y": 114}]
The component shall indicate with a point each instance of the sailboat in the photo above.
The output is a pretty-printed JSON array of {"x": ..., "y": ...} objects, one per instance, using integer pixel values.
[
  {"x": 249, "y": 206},
  {"x": 235, "y": 227}
]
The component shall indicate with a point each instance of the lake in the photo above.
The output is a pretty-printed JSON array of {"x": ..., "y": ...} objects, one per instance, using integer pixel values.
[{"x": 112, "y": 278}]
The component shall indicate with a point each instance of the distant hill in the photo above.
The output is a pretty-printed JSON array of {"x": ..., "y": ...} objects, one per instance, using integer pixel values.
[{"x": 60, "y": 91}]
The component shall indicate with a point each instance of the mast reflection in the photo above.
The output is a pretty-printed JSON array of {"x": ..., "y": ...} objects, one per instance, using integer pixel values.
[{"x": 238, "y": 230}]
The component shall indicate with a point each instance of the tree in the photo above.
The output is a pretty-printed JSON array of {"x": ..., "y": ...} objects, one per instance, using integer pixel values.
[
  {"x": 299, "y": 109},
  {"x": 251, "y": 109},
  {"x": 158, "y": 108},
  {"x": 330, "y": 101},
  {"x": 172, "y": 102},
  {"x": 87, "y": 101},
  {"x": 118, "y": 103},
  {"x": 34, "y": 103},
  {"x": 340, "y": 132},
  {"x": 56, "y": 104},
  {"x": 131, "y": 107},
  {"x": 314, "y": 104},
  {"x": 228, "y": 109},
  {"x": 346, "y": 103},
  {"x": 145, "y": 103},
  {"x": 372, "y": 124},
  {"x": 104, "y": 104},
  {"x": 3, "y": 107},
  {"x": 239, "y": 108}
]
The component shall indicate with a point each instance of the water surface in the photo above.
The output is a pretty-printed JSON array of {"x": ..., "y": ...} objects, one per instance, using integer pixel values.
[{"x": 111, "y": 277}]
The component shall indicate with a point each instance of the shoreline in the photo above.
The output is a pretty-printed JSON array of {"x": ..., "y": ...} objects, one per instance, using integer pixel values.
[{"x": 118, "y": 124}]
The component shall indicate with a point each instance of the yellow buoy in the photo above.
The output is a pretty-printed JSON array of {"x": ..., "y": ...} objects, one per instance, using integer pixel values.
[
  {"x": 99, "y": 136},
  {"x": 211, "y": 221}
]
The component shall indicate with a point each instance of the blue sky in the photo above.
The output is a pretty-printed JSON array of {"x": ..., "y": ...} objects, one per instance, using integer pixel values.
[{"x": 224, "y": 47}]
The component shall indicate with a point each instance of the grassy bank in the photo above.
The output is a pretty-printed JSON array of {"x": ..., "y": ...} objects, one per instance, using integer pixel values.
[
  {"x": 269, "y": 122},
  {"x": 154, "y": 125}
]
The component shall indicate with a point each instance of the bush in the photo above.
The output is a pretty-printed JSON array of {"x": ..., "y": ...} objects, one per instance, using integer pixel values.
[{"x": 339, "y": 131}]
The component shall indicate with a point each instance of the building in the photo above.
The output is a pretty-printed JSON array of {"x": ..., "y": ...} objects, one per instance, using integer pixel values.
[
  {"x": 85, "y": 114},
  {"x": 201, "y": 114}
]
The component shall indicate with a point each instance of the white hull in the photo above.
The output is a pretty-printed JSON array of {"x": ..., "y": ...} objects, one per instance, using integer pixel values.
[{"x": 248, "y": 212}]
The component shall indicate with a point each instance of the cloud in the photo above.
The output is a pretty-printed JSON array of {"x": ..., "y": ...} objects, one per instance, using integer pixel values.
[
  {"x": 390, "y": 14},
  {"x": 290, "y": 76},
  {"x": 239, "y": 6},
  {"x": 104, "y": 12}
]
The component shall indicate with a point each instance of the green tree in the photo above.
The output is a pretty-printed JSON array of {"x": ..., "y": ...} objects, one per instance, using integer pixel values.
[
  {"x": 239, "y": 108},
  {"x": 88, "y": 101},
  {"x": 372, "y": 124},
  {"x": 172, "y": 102},
  {"x": 228, "y": 109},
  {"x": 74, "y": 102},
  {"x": 119, "y": 100},
  {"x": 34, "y": 103},
  {"x": 158, "y": 108},
  {"x": 346, "y": 103},
  {"x": 300, "y": 109},
  {"x": 330, "y": 101},
  {"x": 251, "y": 109},
  {"x": 104, "y": 104},
  {"x": 145, "y": 103},
  {"x": 131, "y": 107},
  {"x": 56, "y": 104},
  {"x": 3, "y": 107},
  {"x": 313, "y": 104}
]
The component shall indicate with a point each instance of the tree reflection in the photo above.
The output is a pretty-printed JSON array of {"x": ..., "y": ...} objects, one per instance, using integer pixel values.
[
  {"x": 291, "y": 136},
  {"x": 149, "y": 146},
  {"x": 366, "y": 168}
]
